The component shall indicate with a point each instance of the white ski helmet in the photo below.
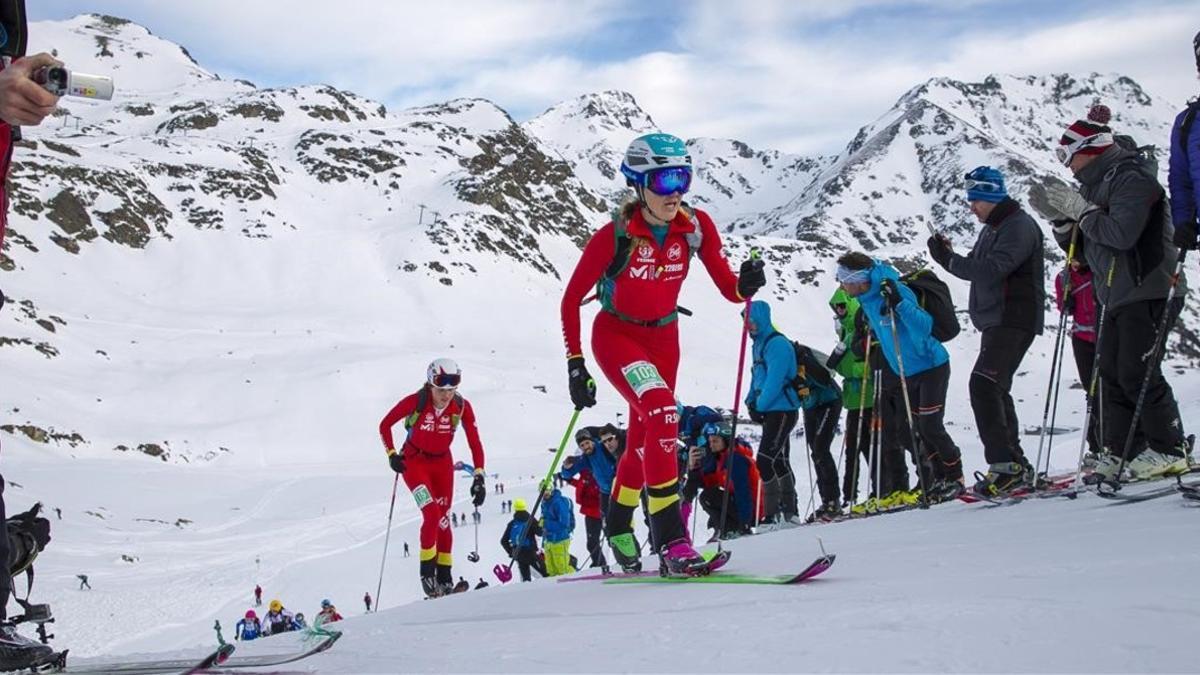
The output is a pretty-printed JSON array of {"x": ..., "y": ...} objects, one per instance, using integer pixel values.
[
  {"x": 653, "y": 151},
  {"x": 443, "y": 374}
]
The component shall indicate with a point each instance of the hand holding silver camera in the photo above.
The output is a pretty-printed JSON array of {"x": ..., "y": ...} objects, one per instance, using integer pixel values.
[{"x": 60, "y": 81}]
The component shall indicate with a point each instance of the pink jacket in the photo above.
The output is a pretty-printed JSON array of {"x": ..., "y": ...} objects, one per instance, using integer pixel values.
[{"x": 1083, "y": 319}]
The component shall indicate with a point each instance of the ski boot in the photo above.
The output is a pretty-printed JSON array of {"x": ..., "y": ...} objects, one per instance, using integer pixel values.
[
  {"x": 826, "y": 513},
  {"x": 626, "y": 552},
  {"x": 679, "y": 559},
  {"x": 1002, "y": 479},
  {"x": 1154, "y": 464},
  {"x": 18, "y": 652},
  {"x": 1105, "y": 470},
  {"x": 945, "y": 490},
  {"x": 432, "y": 588}
]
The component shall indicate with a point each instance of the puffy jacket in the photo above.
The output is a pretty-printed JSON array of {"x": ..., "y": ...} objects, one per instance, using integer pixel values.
[
  {"x": 852, "y": 365},
  {"x": 599, "y": 462},
  {"x": 587, "y": 494},
  {"x": 774, "y": 367},
  {"x": 1083, "y": 294},
  {"x": 920, "y": 350},
  {"x": 1131, "y": 229},
  {"x": 1005, "y": 271},
  {"x": 1183, "y": 177},
  {"x": 558, "y": 517}
]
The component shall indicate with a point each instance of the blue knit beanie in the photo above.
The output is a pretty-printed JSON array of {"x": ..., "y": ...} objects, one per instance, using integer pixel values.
[{"x": 986, "y": 184}]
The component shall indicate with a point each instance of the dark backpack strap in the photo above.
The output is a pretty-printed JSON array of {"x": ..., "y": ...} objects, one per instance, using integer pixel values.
[
  {"x": 621, "y": 246},
  {"x": 1185, "y": 129}
]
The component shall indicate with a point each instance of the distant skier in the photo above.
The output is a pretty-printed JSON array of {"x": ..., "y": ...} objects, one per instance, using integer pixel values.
[
  {"x": 635, "y": 337},
  {"x": 406, "y": 549},
  {"x": 249, "y": 628},
  {"x": 277, "y": 620},
  {"x": 83, "y": 582},
  {"x": 257, "y": 595},
  {"x": 454, "y": 519},
  {"x": 520, "y": 541},
  {"x": 367, "y": 600},
  {"x": 58, "y": 512},
  {"x": 328, "y": 614},
  {"x": 431, "y": 416}
]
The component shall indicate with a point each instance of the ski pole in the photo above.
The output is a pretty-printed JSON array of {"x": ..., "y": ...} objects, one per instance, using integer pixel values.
[
  {"x": 737, "y": 404},
  {"x": 473, "y": 556},
  {"x": 386, "y": 538},
  {"x": 1056, "y": 360},
  {"x": 912, "y": 430},
  {"x": 1152, "y": 363},
  {"x": 504, "y": 572},
  {"x": 877, "y": 435},
  {"x": 1091, "y": 395}
]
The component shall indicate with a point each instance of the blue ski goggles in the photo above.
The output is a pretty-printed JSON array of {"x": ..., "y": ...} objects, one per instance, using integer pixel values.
[
  {"x": 668, "y": 181},
  {"x": 446, "y": 380}
]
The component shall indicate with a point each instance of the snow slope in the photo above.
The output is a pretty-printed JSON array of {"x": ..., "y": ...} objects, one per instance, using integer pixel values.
[{"x": 219, "y": 290}]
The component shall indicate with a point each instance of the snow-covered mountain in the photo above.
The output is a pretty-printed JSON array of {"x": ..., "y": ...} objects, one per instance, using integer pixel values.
[{"x": 219, "y": 289}]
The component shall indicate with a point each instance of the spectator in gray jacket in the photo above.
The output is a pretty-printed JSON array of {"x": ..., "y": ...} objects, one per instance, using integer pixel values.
[
  {"x": 1007, "y": 307},
  {"x": 1125, "y": 227}
]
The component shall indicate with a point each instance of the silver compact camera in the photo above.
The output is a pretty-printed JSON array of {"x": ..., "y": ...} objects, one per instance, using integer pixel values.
[{"x": 63, "y": 82}]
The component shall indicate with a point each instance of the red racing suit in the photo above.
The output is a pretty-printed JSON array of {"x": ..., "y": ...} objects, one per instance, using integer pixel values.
[
  {"x": 429, "y": 467},
  {"x": 637, "y": 349}
]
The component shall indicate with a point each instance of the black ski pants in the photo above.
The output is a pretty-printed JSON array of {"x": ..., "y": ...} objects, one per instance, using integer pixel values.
[
  {"x": 895, "y": 438},
  {"x": 1001, "y": 349},
  {"x": 858, "y": 444},
  {"x": 595, "y": 528},
  {"x": 5, "y": 579},
  {"x": 1085, "y": 359},
  {"x": 927, "y": 394},
  {"x": 1127, "y": 337},
  {"x": 775, "y": 449},
  {"x": 710, "y": 500},
  {"x": 820, "y": 426}
]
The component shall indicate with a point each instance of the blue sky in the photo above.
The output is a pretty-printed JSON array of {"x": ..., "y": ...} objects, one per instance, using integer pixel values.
[{"x": 794, "y": 75}]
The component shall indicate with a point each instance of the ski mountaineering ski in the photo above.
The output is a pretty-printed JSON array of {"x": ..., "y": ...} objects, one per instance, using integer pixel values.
[
  {"x": 221, "y": 659},
  {"x": 1135, "y": 496},
  {"x": 814, "y": 569}
]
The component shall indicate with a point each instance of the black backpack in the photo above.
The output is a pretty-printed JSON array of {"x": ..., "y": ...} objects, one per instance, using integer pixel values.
[
  {"x": 933, "y": 295},
  {"x": 809, "y": 364}
]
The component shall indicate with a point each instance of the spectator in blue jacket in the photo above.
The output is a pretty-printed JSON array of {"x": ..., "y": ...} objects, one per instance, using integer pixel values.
[
  {"x": 773, "y": 402},
  {"x": 1184, "y": 175},
  {"x": 598, "y": 446},
  {"x": 890, "y": 306},
  {"x": 558, "y": 522}
]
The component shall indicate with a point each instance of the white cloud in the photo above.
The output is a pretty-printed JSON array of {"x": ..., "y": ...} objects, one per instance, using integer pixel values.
[{"x": 800, "y": 76}]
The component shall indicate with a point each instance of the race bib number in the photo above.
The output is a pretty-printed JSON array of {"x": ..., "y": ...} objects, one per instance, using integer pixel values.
[
  {"x": 642, "y": 376},
  {"x": 421, "y": 494}
]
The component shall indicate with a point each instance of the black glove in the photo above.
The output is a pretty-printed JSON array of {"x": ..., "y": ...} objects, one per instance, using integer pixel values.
[
  {"x": 396, "y": 461},
  {"x": 581, "y": 384},
  {"x": 836, "y": 357},
  {"x": 478, "y": 491},
  {"x": 939, "y": 249},
  {"x": 751, "y": 278},
  {"x": 1185, "y": 235},
  {"x": 755, "y": 416},
  {"x": 890, "y": 293}
]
